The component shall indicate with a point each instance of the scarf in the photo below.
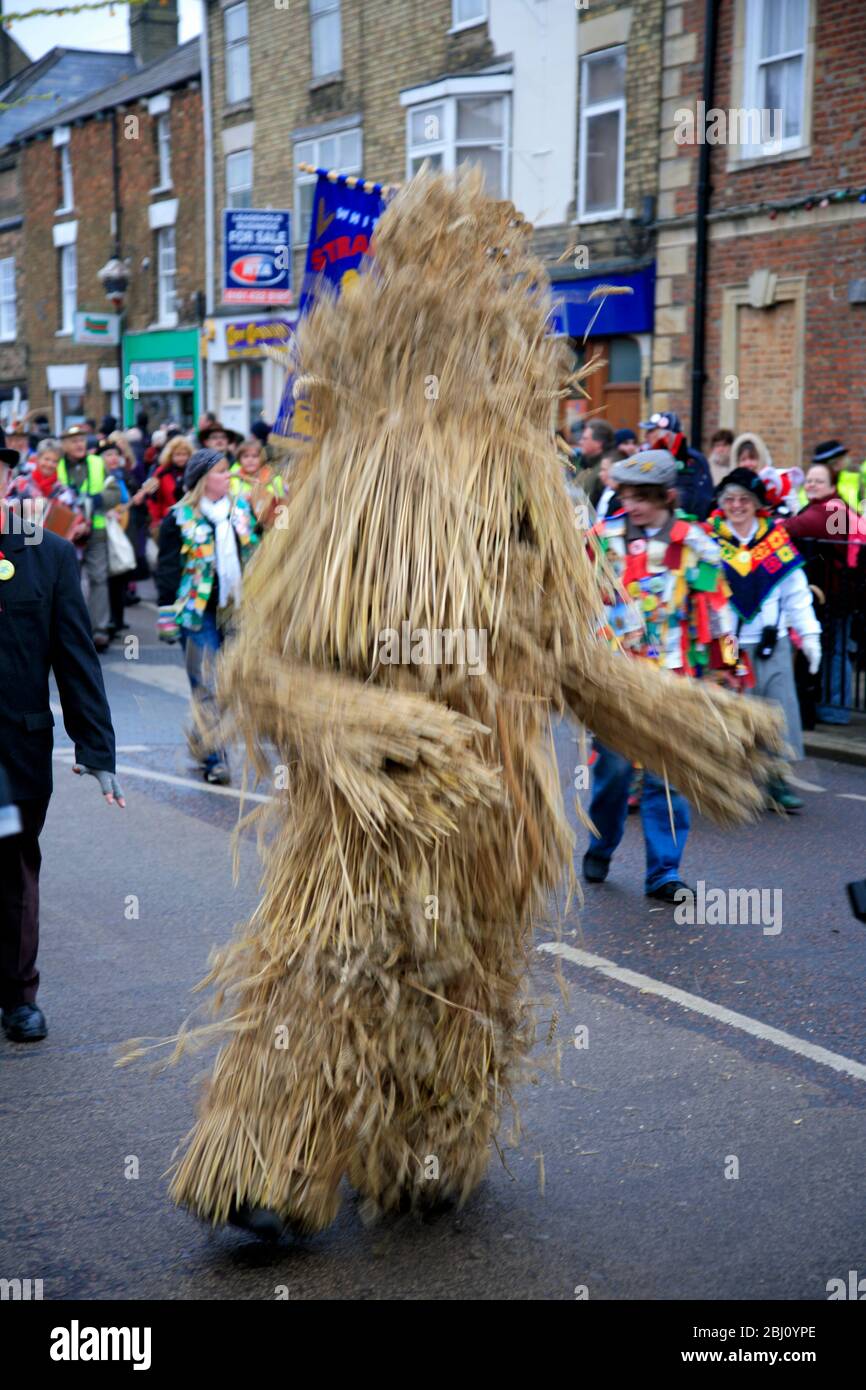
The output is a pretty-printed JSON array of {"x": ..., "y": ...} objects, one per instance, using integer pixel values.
[
  {"x": 754, "y": 567},
  {"x": 228, "y": 565}
]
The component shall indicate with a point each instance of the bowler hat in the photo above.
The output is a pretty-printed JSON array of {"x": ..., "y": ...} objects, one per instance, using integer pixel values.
[
  {"x": 747, "y": 481},
  {"x": 830, "y": 449}
]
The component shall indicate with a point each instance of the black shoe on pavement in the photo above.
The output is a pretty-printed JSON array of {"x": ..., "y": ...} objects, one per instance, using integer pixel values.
[
  {"x": 101, "y": 641},
  {"x": 595, "y": 869},
  {"x": 25, "y": 1023},
  {"x": 259, "y": 1221},
  {"x": 218, "y": 774},
  {"x": 667, "y": 892}
]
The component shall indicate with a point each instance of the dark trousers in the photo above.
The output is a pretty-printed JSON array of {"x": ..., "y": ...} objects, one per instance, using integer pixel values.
[{"x": 20, "y": 860}]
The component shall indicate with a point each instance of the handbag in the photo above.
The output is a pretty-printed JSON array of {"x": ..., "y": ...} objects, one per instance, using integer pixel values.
[{"x": 121, "y": 556}]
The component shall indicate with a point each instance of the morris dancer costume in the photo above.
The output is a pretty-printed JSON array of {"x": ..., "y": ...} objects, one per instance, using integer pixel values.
[{"x": 373, "y": 1005}]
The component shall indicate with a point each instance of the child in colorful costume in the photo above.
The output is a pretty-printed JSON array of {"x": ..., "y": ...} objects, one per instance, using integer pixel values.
[
  {"x": 205, "y": 541},
  {"x": 676, "y": 615},
  {"x": 770, "y": 597}
]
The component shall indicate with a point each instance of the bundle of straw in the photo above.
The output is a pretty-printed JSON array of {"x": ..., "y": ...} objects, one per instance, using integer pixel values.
[{"x": 374, "y": 1004}]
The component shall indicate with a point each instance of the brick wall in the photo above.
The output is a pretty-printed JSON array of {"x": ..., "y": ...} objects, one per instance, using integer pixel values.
[
  {"x": 91, "y": 153},
  {"x": 799, "y": 375}
]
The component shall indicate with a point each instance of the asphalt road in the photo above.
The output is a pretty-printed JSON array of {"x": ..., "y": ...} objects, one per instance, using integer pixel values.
[{"x": 621, "y": 1184}]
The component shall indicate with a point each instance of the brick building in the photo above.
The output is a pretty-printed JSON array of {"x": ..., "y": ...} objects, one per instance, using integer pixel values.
[
  {"x": 118, "y": 174},
  {"x": 376, "y": 86},
  {"x": 28, "y": 92},
  {"x": 785, "y": 318}
]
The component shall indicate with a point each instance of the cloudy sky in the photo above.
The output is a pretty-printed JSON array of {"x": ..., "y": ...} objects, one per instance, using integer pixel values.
[{"x": 90, "y": 29}]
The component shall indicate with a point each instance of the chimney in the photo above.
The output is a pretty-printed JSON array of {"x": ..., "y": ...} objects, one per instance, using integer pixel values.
[{"x": 152, "y": 30}]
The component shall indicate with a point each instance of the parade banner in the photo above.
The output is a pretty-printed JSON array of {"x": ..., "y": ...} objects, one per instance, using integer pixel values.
[
  {"x": 257, "y": 251},
  {"x": 345, "y": 211}
]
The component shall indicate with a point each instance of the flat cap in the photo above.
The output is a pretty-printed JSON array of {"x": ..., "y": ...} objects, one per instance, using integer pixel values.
[{"x": 648, "y": 468}]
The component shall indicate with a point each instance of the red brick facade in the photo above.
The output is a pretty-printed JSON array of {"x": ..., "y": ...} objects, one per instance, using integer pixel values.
[
  {"x": 800, "y": 359},
  {"x": 40, "y": 311}
]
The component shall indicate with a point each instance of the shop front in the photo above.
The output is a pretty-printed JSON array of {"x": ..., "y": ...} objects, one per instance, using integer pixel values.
[
  {"x": 161, "y": 376},
  {"x": 620, "y": 324},
  {"x": 248, "y": 383}
]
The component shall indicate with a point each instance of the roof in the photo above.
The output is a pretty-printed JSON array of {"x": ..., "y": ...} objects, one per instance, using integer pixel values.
[
  {"x": 181, "y": 65},
  {"x": 60, "y": 76}
]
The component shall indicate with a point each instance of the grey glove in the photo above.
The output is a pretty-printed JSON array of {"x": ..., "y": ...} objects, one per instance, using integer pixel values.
[{"x": 108, "y": 783}]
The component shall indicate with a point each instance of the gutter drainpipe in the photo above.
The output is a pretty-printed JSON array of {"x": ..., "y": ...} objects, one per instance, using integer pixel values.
[{"x": 703, "y": 207}]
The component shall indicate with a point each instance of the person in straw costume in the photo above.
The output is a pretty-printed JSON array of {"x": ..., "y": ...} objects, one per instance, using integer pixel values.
[{"x": 373, "y": 1008}]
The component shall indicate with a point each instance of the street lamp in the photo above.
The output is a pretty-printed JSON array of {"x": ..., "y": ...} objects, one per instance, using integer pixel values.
[{"x": 115, "y": 281}]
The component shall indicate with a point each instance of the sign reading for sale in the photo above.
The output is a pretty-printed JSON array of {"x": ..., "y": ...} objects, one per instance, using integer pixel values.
[{"x": 257, "y": 256}]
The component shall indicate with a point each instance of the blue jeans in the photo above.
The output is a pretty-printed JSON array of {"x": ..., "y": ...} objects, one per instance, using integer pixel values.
[
  {"x": 837, "y": 674},
  {"x": 200, "y": 650},
  {"x": 608, "y": 810}
]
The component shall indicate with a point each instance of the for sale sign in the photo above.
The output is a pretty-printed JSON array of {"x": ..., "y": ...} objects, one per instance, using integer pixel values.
[{"x": 257, "y": 256}]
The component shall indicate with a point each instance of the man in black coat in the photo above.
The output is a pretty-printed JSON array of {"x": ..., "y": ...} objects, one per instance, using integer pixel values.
[{"x": 44, "y": 626}]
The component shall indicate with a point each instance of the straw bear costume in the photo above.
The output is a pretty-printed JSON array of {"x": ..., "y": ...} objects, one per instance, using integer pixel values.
[{"x": 374, "y": 1004}]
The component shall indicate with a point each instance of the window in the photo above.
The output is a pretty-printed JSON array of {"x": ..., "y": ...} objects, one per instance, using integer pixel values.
[
  {"x": 339, "y": 151},
  {"x": 165, "y": 276},
  {"x": 325, "y": 37},
  {"x": 239, "y": 179},
  {"x": 7, "y": 299},
  {"x": 776, "y": 33},
  {"x": 68, "y": 409},
  {"x": 467, "y": 12},
  {"x": 462, "y": 130},
  {"x": 66, "y": 192},
  {"x": 68, "y": 287},
  {"x": 163, "y": 150},
  {"x": 237, "y": 33},
  {"x": 602, "y": 134}
]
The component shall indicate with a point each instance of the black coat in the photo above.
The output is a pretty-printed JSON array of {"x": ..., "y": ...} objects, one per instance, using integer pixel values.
[{"x": 44, "y": 626}]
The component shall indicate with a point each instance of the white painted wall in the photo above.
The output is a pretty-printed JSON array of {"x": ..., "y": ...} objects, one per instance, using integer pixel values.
[{"x": 542, "y": 36}]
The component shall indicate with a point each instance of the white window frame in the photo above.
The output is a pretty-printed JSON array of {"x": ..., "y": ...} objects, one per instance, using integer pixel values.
[
  {"x": 458, "y": 24},
  {"x": 239, "y": 188},
  {"x": 235, "y": 45},
  {"x": 8, "y": 301},
  {"x": 448, "y": 146},
  {"x": 325, "y": 11},
  {"x": 163, "y": 150},
  {"x": 67, "y": 188},
  {"x": 68, "y": 288},
  {"x": 752, "y": 83},
  {"x": 166, "y": 303},
  {"x": 301, "y": 153},
  {"x": 601, "y": 108}
]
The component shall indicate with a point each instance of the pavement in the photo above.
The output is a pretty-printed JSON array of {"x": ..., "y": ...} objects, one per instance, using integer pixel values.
[{"x": 694, "y": 1129}]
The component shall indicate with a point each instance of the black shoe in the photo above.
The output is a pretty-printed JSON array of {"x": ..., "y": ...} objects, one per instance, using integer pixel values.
[
  {"x": 780, "y": 797},
  {"x": 259, "y": 1221},
  {"x": 595, "y": 869},
  {"x": 25, "y": 1023},
  {"x": 667, "y": 892}
]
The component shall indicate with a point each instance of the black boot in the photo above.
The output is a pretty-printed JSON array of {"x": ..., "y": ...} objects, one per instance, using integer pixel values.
[
  {"x": 259, "y": 1221},
  {"x": 25, "y": 1023}
]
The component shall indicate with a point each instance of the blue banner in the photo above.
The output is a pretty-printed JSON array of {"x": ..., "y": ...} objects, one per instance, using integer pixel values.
[
  {"x": 341, "y": 227},
  {"x": 573, "y": 310},
  {"x": 257, "y": 256}
]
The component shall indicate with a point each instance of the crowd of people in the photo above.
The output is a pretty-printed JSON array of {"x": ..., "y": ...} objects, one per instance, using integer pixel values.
[{"x": 724, "y": 568}]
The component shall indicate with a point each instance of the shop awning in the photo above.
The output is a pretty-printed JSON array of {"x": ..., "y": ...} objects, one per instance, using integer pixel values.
[{"x": 621, "y": 313}]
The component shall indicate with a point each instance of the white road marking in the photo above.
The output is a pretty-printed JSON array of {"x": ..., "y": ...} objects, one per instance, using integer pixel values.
[
  {"x": 850, "y": 796},
  {"x": 170, "y": 679},
  {"x": 804, "y": 786},
  {"x": 764, "y": 1031},
  {"x": 130, "y": 770}
]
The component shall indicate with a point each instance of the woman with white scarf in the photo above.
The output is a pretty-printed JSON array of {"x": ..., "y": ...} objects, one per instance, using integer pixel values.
[{"x": 204, "y": 544}]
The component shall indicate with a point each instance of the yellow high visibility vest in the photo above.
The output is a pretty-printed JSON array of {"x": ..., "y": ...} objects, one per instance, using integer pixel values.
[{"x": 94, "y": 485}]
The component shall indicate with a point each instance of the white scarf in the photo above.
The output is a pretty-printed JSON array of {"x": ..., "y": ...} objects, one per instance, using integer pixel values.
[{"x": 228, "y": 566}]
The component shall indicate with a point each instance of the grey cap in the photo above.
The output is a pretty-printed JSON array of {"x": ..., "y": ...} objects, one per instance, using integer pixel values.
[
  {"x": 202, "y": 461},
  {"x": 648, "y": 468}
]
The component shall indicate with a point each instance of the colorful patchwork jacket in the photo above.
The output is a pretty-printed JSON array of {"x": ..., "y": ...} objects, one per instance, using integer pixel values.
[
  {"x": 197, "y": 549},
  {"x": 674, "y": 606}
]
